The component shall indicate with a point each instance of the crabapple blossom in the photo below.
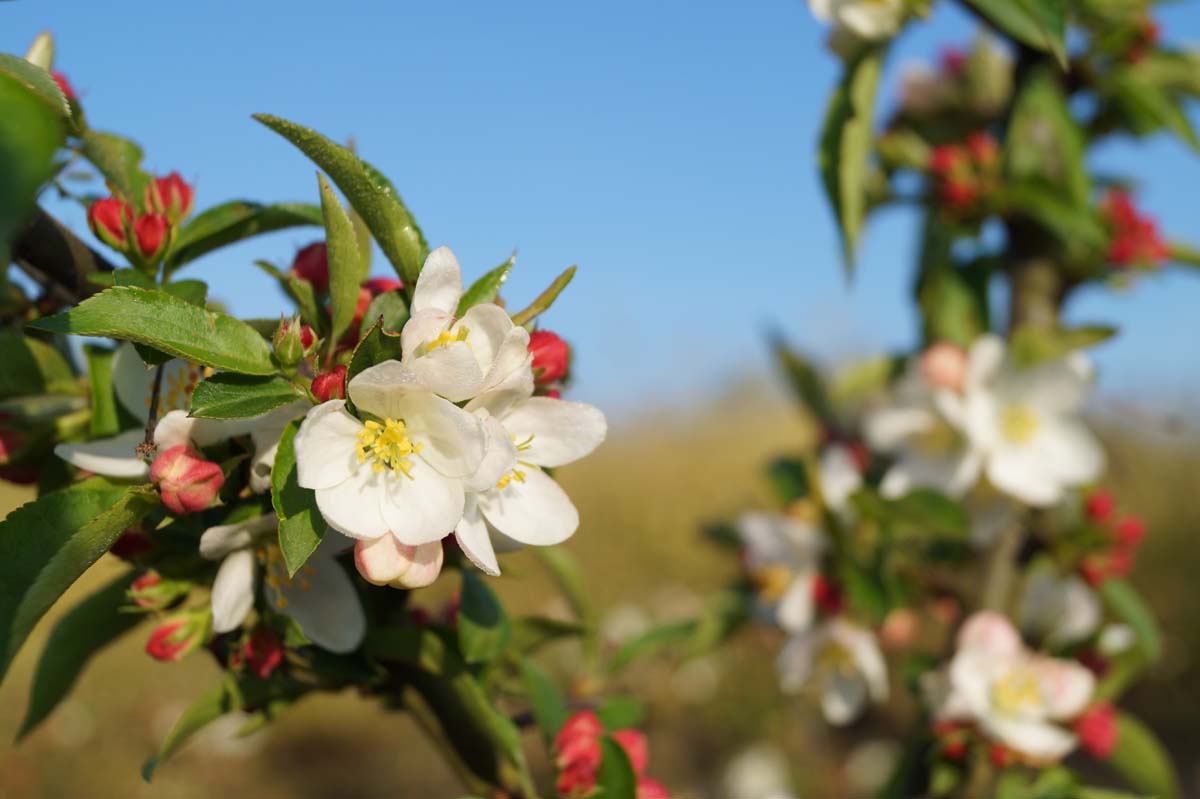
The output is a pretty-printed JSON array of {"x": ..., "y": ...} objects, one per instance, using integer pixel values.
[
  {"x": 842, "y": 662},
  {"x": 782, "y": 555}
]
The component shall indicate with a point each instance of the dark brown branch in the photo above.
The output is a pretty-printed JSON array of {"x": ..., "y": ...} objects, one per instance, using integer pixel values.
[{"x": 57, "y": 259}]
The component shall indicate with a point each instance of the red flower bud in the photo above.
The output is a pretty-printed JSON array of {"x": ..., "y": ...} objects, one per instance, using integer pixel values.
[
  {"x": 381, "y": 285},
  {"x": 983, "y": 149},
  {"x": 1099, "y": 506},
  {"x": 330, "y": 385},
  {"x": 954, "y": 749},
  {"x": 12, "y": 443},
  {"x": 1135, "y": 237},
  {"x": 1001, "y": 756},
  {"x": 1097, "y": 730},
  {"x": 581, "y": 726},
  {"x": 1094, "y": 570},
  {"x": 141, "y": 589},
  {"x": 64, "y": 85},
  {"x": 177, "y": 636},
  {"x": 263, "y": 652},
  {"x": 636, "y": 747},
  {"x": 187, "y": 482},
  {"x": 945, "y": 159},
  {"x": 1120, "y": 562},
  {"x": 651, "y": 789},
  {"x": 826, "y": 595},
  {"x": 959, "y": 195},
  {"x": 292, "y": 341},
  {"x": 575, "y": 781},
  {"x": 151, "y": 592},
  {"x": 150, "y": 234},
  {"x": 131, "y": 544},
  {"x": 109, "y": 218},
  {"x": 551, "y": 357},
  {"x": 1130, "y": 531},
  {"x": 953, "y": 62},
  {"x": 171, "y": 196},
  {"x": 312, "y": 264}
]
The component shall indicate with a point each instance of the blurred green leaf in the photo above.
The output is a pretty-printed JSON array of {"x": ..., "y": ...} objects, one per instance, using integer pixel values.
[
  {"x": 31, "y": 131},
  {"x": 1142, "y": 761},
  {"x": 1031, "y": 345},
  {"x": 193, "y": 291},
  {"x": 1148, "y": 108},
  {"x": 301, "y": 526},
  {"x": 234, "y": 221},
  {"x": 47, "y": 543},
  {"x": 345, "y": 264},
  {"x": 105, "y": 421},
  {"x": 621, "y": 713},
  {"x": 656, "y": 639},
  {"x": 806, "y": 381},
  {"x": 86, "y": 629},
  {"x": 371, "y": 195},
  {"x": 1077, "y": 226},
  {"x": 210, "y": 706},
  {"x": 484, "y": 630},
  {"x": 546, "y": 701},
  {"x": 37, "y": 81},
  {"x": 565, "y": 571},
  {"x": 545, "y": 299},
  {"x": 375, "y": 347},
  {"x": 119, "y": 160},
  {"x": 31, "y": 366},
  {"x": 1124, "y": 602},
  {"x": 845, "y": 147},
  {"x": 953, "y": 300},
  {"x": 1040, "y": 24},
  {"x": 168, "y": 324},
  {"x": 232, "y": 396},
  {"x": 387, "y": 309},
  {"x": 1044, "y": 143},
  {"x": 723, "y": 614},
  {"x": 615, "y": 777},
  {"x": 531, "y": 633},
  {"x": 487, "y": 287}
]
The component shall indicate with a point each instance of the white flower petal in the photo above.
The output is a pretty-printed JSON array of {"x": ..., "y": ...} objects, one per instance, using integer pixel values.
[
  {"x": 991, "y": 635},
  {"x": 1021, "y": 472},
  {"x": 326, "y": 446},
  {"x": 888, "y": 428},
  {"x": 380, "y": 389},
  {"x": 452, "y": 440},
  {"x": 111, "y": 457},
  {"x": 474, "y": 540},
  {"x": 133, "y": 383},
  {"x": 796, "y": 660},
  {"x": 796, "y": 609},
  {"x": 421, "y": 328},
  {"x": 516, "y": 386},
  {"x": 499, "y": 459},
  {"x": 233, "y": 590},
  {"x": 353, "y": 506},
  {"x": 326, "y": 607},
  {"x": 868, "y": 659},
  {"x": 984, "y": 361},
  {"x": 1033, "y": 738},
  {"x": 424, "y": 508},
  {"x": 439, "y": 286},
  {"x": 562, "y": 431},
  {"x": 843, "y": 696},
  {"x": 451, "y": 370},
  {"x": 1066, "y": 686},
  {"x": 839, "y": 477},
  {"x": 1073, "y": 451},
  {"x": 265, "y": 437},
  {"x": 219, "y": 541},
  {"x": 536, "y": 511}
]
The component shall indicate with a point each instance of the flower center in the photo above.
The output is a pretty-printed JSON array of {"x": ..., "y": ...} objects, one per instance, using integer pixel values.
[
  {"x": 772, "y": 581},
  {"x": 939, "y": 439},
  {"x": 837, "y": 659},
  {"x": 1018, "y": 423},
  {"x": 1016, "y": 691},
  {"x": 177, "y": 387},
  {"x": 277, "y": 576},
  {"x": 446, "y": 338},
  {"x": 387, "y": 446},
  {"x": 516, "y": 474}
]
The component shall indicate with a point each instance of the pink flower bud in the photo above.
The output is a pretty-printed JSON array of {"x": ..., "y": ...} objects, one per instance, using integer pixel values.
[
  {"x": 177, "y": 636},
  {"x": 944, "y": 365},
  {"x": 1097, "y": 730},
  {"x": 1130, "y": 531},
  {"x": 150, "y": 234},
  {"x": 64, "y": 85},
  {"x": 292, "y": 341},
  {"x": 551, "y": 357},
  {"x": 382, "y": 285},
  {"x": 142, "y": 586},
  {"x": 171, "y": 196},
  {"x": 263, "y": 652},
  {"x": 312, "y": 264},
  {"x": 385, "y": 561},
  {"x": 187, "y": 482},
  {"x": 900, "y": 629},
  {"x": 109, "y": 219},
  {"x": 651, "y": 789},
  {"x": 330, "y": 385},
  {"x": 636, "y": 747},
  {"x": 151, "y": 592},
  {"x": 1099, "y": 506}
]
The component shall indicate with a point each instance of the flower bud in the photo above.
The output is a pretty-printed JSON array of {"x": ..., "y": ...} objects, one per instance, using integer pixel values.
[
  {"x": 131, "y": 544},
  {"x": 900, "y": 628},
  {"x": 263, "y": 652},
  {"x": 171, "y": 196},
  {"x": 151, "y": 592},
  {"x": 551, "y": 357},
  {"x": 330, "y": 385},
  {"x": 945, "y": 160},
  {"x": 109, "y": 219},
  {"x": 983, "y": 150},
  {"x": 178, "y": 635},
  {"x": 636, "y": 747},
  {"x": 150, "y": 235},
  {"x": 385, "y": 561},
  {"x": 312, "y": 264},
  {"x": 1099, "y": 506},
  {"x": 1097, "y": 730},
  {"x": 64, "y": 86},
  {"x": 1001, "y": 756},
  {"x": 577, "y": 744},
  {"x": 953, "y": 62},
  {"x": 826, "y": 595},
  {"x": 293, "y": 341},
  {"x": 944, "y": 365},
  {"x": 382, "y": 285},
  {"x": 187, "y": 482},
  {"x": 1130, "y": 531},
  {"x": 12, "y": 445},
  {"x": 651, "y": 789}
]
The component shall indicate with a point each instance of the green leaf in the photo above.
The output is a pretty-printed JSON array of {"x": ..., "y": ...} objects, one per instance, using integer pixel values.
[
  {"x": 621, "y": 713},
  {"x": 301, "y": 526},
  {"x": 1142, "y": 761},
  {"x": 1124, "y": 602},
  {"x": 105, "y": 421},
  {"x": 1044, "y": 143},
  {"x": 193, "y": 291},
  {"x": 31, "y": 131},
  {"x": 388, "y": 310},
  {"x": 805, "y": 379},
  {"x": 1077, "y": 226},
  {"x": 37, "y": 81},
  {"x": 169, "y": 324},
  {"x": 302, "y": 293},
  {"x": 564, "y": 569},
  {"x": 232, "y": 222},
  {"x": 231, "y": 396},
  {"x": 845, "y": 146},
  {"x": 546, "y": 701},
  {"x": 1040, "y": 24},
  {"x": 483, "y": 627},
  {"x": 724, "y": 613},
  {"x": 345, "y": 264},
  {"x": 615, "y": 778},
  {"x": 656, "y": 639},
  {"x": 486, "y": 288},
  {"x": 953, "y": 301},
  {"x": 375, "y": 347},
  {"x": 531, "y": 633},
  {"x": 1031, "y": 345},
  {"x": 1148, "y": 108},
  {"x": 90, "y": 626},
  {"x": 210, "y": 706},
  {"x": 32, "y": 367},
  {"x": 372, "y": 196},
  {"x": 46, "y": 544},
  {"x": 119, "y": 160},
  {"x": 545, "y": 299}
]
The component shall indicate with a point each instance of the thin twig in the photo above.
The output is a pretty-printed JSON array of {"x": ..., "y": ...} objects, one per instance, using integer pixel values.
[{"x": 147, "y": 448}]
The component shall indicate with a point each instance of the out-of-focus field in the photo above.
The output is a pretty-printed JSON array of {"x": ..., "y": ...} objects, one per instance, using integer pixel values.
[{"x": 643, "y": 498}]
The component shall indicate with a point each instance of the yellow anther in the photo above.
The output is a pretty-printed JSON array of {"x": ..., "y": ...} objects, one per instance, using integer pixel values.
[
  {"x": 772, "y": 581},
  {"x": 515, "y": 474},
  {"x": 522, "y": 445},
  {"x": 1018, "y": 423},
  {"x": 446, "y": 338},
  {"x": 387, "y": 446},
  {"x": 1016, "y": 691}
]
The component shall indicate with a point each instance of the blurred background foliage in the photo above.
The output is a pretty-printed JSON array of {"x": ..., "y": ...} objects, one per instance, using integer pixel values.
[{"x": 718, "y": 725}]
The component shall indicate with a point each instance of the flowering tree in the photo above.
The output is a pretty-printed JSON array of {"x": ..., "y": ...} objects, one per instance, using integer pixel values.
[
  {"x": 947, "y": 548},
  {"x": 280, "y": 488}
]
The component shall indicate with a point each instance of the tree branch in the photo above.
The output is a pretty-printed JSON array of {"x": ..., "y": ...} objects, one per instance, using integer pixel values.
[{"x": 57, "y": 259}]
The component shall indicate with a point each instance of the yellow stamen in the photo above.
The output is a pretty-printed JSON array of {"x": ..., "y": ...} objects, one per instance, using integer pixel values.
[
  {"x": 387, "y": 446},
  {"x": 446, "y": 338},
  {"x": 1018, "y": 423},
  {"x": 772, "y": 581},
  {"x": 1016, "y": 691}
]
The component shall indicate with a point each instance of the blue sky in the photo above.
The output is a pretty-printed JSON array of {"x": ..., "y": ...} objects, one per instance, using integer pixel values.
[{"x": 667, "y": 148}]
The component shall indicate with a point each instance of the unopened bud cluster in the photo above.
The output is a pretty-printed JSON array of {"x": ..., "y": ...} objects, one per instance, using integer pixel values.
[{"x": 145, "y": 234}]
